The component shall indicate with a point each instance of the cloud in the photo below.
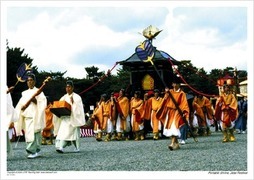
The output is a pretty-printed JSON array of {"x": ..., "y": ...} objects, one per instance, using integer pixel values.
[
  {"x": 49, "y": 37},
  {"x": 72, "y": 38},
  {"x": 207, "y": 44},
  {"x": 47, "y": 42}
]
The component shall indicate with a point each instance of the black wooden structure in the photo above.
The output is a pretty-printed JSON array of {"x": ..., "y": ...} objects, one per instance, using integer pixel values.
[{"x": 143, "y": 75}]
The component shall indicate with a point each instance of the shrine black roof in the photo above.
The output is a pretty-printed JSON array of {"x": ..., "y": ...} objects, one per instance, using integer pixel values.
[{"x": 160, "y": 57}]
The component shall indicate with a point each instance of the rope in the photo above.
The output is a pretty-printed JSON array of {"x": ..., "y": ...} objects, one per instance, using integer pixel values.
[
  {"x": 193, "y": 89},
  {"x": 106, "y": 75},
  {"x": 100, "y": 80},
  {"x": 201, "y": 75}
]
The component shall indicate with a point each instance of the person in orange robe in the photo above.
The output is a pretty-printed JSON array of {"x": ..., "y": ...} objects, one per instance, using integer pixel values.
[
  {"x": 146, "y": 115},
  {"x": 203, "y": 109},
  {"x": 97, "y": 121},
  {"x": 153, "y": 104},
  {"x": 103, "y": 114},
  {"x": 47, "y": 132},
  {"x": 109, "y": 118},
  {"x": 226, "y": 111},
  {"x": 136, "y": 110},
  {"x": 171, "y": 116},
  {"x": 123, "y": 119},
  {"x": 113, "y": 115},
  {"x": 102, "y": 118}
]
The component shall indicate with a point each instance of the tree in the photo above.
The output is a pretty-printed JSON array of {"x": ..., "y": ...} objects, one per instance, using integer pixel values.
[
  {"x": 99, "y": 83},
  {"x": 16, "y": 57},
  {"x": 93, "y": 72},
  {"x": 55, "y": 88},
  {"x": 198, "y": 79},
  {"x": 107, "y": 84}
]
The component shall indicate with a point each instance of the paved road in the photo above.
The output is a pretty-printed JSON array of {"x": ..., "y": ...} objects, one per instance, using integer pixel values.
[{"x": 208, "y": 155}]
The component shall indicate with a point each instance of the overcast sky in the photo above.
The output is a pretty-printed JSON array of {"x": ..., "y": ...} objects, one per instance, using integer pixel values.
[{"x": 69, "y": 36}]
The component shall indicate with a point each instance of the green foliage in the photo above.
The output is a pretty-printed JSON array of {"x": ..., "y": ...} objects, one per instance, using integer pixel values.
[
  {"x": 93, "y": 72},
  {"x": 201, "y": 81},
  {"x": 98, "y": 82},
  {"x": 15, "y": 57}
]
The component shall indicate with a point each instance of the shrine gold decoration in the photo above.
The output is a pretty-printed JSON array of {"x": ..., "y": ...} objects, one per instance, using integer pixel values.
[{"x": 148, "y": 82}]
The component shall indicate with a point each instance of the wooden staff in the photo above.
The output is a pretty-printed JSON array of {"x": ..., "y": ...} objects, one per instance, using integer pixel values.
[{"x": 37, "y": 93}]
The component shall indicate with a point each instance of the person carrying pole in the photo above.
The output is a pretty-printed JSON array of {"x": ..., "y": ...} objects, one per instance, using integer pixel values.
[
  {"x": 170, "y": 114},
  {"x": 31, "y": 113}
]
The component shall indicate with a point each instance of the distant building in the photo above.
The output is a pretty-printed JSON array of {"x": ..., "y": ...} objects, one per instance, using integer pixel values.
[{"x": 243, "y": 87}]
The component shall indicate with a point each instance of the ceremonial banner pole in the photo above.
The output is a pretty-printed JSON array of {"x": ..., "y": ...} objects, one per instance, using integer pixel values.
[{"x": 22, "y": 73}]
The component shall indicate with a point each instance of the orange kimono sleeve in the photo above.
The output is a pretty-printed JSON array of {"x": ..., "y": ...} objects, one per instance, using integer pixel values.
[
  {"x": 162, "y": 111},
  {"x": 217, "y": 109},
  {"x": 147, "y": 106},
  {"x": 139, "y": 110},
  {"x": 199, "y": 111},
  {"x": 183, "y": 105},
  {"x": 98, "y": 116},
  {"x": 49, "y": 118},
  {"x": 124, "y": 105},
  {"x": 113, "y": 111},
  {"x": 209, "y": 109}
]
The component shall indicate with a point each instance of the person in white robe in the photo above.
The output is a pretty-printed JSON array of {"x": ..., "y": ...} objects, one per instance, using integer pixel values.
[
  {"x": 67, "y": 128},
  {"x": 31, "y": 117},
  {"x": 11, "y": 118}
]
